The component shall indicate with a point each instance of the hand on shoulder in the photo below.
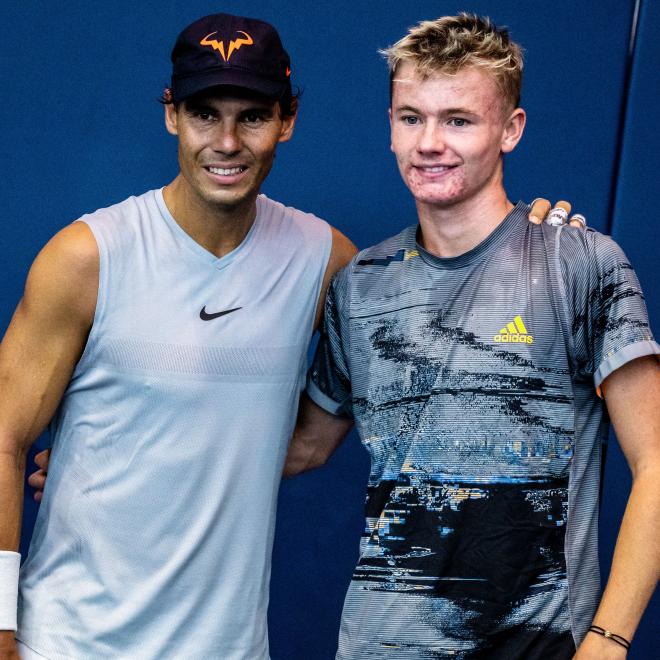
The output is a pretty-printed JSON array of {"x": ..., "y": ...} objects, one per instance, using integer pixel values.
[{"x": 543, "y": 211}]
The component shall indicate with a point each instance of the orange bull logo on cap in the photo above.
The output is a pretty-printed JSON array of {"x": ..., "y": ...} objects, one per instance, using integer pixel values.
[{"x": 234, "y": 44}]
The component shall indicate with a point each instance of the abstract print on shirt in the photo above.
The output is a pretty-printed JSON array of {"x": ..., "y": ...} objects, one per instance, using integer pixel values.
[{"x": 465, "y": 392}]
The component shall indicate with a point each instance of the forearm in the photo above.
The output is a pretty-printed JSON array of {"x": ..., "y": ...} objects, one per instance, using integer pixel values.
[
  {"x": 301, "y": 455},
  {"x": 12, "y": 468},
  {"x": 636, "y": 562},
  {"x": 12, "y": 472},
  {"x": 634, "y": 573},
  {"x": 315, "y": 438}
]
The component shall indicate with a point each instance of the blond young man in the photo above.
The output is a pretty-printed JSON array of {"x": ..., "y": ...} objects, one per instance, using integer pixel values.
[{"x": 470, "y": 351}]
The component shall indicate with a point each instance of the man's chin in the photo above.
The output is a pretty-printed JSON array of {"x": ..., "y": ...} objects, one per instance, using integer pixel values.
[{"x": 437, "y": 200}]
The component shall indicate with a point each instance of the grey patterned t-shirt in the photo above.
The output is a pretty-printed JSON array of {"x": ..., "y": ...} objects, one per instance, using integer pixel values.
[{"x": 472, "y": 381}]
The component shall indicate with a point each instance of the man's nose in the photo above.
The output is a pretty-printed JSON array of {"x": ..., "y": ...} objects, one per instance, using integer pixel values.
[
  {"x": 431, "y": 138},
  {"x": 227, "y": 139}
]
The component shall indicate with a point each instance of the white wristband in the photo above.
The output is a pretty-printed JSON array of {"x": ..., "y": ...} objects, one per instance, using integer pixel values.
[{"x": 10, "y": 562}]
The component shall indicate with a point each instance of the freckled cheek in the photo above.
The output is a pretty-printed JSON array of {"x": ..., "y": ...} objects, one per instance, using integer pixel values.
[{"x": 447, "y": 187}]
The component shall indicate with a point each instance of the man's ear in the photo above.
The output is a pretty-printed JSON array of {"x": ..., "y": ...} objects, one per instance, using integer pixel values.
[
  {"x": 288, "y": 124},
  {"x": 513, "y": 130},
  {"x": 389, "y": 114},
  {"x": 171, "y": 117}
]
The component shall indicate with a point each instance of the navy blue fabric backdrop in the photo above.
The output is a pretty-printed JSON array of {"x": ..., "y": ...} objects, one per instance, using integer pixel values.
[{"x": 82, "y": 129}]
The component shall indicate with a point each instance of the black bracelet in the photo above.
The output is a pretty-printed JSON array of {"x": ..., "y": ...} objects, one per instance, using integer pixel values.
[{"x": 621, "y": 641}]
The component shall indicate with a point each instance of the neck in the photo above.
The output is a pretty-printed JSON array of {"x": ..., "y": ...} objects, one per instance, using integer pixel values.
[
  {"x": 449, "y": 231},
  {"x": 218, "y": 229}
]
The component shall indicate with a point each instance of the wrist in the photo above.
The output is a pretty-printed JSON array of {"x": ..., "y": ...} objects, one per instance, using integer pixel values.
[
  {"x": 7, "y": 639},
  {"x": 599, "y": 647},
  {"x": 10, "y": 563},
  {"x": 596, "y": 647},
  {"x": 610, "y": 635}
]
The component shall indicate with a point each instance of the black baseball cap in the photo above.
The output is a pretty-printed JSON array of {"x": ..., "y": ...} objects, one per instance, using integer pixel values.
[{"x": 223, "y": 49}]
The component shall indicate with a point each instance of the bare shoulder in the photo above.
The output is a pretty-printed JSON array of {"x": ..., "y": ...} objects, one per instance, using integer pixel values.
[
  {"x": 343, "y": 250},
  {"x": 74, "y": 247},
  {"x": 64, "y": 275},
  {"x": 341, "y": 253}
]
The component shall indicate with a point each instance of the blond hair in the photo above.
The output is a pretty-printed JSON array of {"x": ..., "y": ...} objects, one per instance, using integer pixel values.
[{"x": 451, "y": 43}]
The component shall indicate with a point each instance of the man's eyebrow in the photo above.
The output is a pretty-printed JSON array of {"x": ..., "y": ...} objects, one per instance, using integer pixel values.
[
  {"x": 257, "y": 107},
  {"x": 196, "y": 106},
  {"x": 406, "y": 108},
  {"x": 457, "y": 111},
  {"x": 444, "y": 112}
]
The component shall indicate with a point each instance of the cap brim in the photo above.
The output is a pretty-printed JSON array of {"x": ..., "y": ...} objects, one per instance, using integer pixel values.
[{"x": 184, "y": 87}]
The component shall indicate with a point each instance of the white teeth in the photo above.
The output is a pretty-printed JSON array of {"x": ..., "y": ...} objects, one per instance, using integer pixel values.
[
  {"x": 435, "y": 170},
  {"x": 228, "y": 171}
]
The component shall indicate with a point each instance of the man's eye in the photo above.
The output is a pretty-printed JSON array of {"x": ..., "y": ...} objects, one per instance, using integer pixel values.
[
  {"x": 410, "y": 120},
  {"x": 253, "y": 118},
  {"x": 458, "y": 121},
  {"x": 203, "y": 115}
]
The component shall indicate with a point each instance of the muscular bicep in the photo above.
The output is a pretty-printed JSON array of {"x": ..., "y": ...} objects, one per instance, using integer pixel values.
[
  {"x": 632, "y": 395},
  {"x": 343, "y": 250},
  {"x": 47, "y": 334}
]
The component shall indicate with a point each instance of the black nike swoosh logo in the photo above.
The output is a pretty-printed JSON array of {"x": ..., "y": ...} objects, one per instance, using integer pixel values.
[{"x": 205, "y": 316}]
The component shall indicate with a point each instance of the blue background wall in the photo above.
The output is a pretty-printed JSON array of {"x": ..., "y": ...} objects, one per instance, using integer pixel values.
[{"x": 81, "y": 129}]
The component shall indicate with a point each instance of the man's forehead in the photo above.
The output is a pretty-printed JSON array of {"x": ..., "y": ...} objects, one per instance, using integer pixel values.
[
  {"x": 409, "y": 74},
  {"x": 466, "y": 82},
  {"x": 222, "y": 93}
]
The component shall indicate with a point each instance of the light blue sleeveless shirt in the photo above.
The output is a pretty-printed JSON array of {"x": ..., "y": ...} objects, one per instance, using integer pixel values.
[{"x": 155, "y": 532}]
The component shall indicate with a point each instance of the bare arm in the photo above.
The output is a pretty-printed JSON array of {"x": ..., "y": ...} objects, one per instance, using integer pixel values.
[
  {"x": 37, "y": 356},
  {"x": 632, "y": 394},
  {"x": 341, "y": 253},
  {"x": 317, "y": 435}
]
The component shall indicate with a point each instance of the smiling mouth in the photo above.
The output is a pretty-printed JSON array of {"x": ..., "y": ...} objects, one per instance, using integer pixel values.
[
  {"x": 435, "y": 169},
  {"x": 226, "y": 171}
]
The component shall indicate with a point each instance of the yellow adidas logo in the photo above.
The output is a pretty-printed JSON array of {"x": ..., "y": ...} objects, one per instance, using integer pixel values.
[{"x": 514, "y": 333}]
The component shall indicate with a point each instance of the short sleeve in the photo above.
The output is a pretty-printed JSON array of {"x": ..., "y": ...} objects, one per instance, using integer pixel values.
[
  {"x": 610, "y": 324},
  {"x": 328, "y": 380}
]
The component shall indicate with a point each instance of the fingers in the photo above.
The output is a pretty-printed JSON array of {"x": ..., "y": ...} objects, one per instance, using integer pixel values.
[
  {"x": 559, "y": 214},
  {"x": 42, "y": 458},
  {"x": 37, "y": 480},
  {"x": 540, "y": 208},
  {"x": 556, "y": 216},
  {"x": 578, "y": 220}
]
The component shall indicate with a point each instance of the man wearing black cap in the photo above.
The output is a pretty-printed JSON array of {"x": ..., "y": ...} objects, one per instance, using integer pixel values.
[{"x": 166, "y": 338}]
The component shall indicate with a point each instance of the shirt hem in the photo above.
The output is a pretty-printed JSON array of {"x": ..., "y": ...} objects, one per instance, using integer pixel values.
[
  {"x": 323, "y": 400},
  {"x": 626, "y": 354}
]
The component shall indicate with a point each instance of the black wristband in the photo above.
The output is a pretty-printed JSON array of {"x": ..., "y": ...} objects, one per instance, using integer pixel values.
[{"x": 617, "y": 639}]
